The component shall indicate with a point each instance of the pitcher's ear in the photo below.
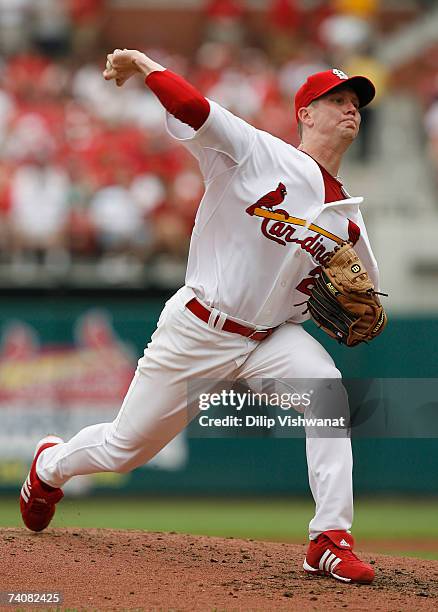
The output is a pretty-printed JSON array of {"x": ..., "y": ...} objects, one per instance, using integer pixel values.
[{"x": 305, "y": 116}]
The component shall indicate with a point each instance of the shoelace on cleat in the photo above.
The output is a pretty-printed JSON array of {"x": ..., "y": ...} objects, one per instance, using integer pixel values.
[{"x": 347, "y": 555}]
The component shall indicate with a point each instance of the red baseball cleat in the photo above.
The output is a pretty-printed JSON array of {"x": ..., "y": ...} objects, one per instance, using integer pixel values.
[
  {"x": 37, "y": 500},
  {"x": 332, "y": 554}
]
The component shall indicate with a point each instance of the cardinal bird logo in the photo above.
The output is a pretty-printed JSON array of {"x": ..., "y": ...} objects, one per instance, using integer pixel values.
[
  {"x": 280, "y": 227},
  {"x": 268, "y": 201}
]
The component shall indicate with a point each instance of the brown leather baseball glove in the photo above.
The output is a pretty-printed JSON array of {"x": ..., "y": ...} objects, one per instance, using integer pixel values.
[{"x": 343, "y": 301}]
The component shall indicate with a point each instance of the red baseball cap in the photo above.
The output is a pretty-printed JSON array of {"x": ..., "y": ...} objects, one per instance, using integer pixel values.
[{"x": 321, "y": 83}]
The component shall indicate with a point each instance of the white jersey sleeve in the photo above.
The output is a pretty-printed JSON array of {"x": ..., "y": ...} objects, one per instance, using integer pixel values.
[{"x": 223, "y": 142}]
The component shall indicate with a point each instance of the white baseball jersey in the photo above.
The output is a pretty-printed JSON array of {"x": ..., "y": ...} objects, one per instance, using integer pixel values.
[{"x": 256, "y": 262}]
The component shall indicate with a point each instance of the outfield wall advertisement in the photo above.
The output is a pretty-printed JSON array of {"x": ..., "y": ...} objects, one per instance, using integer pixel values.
[{"x": 59, "y": 374}]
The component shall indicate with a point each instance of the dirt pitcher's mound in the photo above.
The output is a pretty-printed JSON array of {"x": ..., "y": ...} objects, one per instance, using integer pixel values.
[{"x": 100, "y": 569}]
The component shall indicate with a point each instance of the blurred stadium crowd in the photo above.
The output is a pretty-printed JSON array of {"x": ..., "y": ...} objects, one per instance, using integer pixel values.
[{"x": 88, "y": 177}]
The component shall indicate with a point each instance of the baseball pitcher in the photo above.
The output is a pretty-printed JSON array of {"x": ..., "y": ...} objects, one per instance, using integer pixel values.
[{"x": 276, "y": 239}]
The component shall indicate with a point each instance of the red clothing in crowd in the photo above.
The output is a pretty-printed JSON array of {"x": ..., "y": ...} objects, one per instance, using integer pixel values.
[{"x": 85, "y": 11}]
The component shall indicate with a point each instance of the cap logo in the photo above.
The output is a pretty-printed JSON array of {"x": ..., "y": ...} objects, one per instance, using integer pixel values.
[{"x": 340, "y": 74}]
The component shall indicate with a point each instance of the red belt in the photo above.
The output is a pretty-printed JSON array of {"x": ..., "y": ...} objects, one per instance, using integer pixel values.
[{"x": 204, "y": 313}]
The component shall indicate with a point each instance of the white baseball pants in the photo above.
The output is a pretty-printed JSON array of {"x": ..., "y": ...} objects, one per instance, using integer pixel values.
[{"x": 155, "y": 408}]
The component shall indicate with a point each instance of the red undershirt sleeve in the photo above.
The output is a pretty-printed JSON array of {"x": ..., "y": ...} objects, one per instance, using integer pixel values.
[{"x": 179, "y": 98}]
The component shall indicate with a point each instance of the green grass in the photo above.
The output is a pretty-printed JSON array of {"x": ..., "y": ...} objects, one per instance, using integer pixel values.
[{"x": 277, "y": 519}]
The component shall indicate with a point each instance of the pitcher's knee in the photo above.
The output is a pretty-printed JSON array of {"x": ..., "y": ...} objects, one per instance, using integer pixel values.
[
  {"x": 323, "y": 371},
  {"x": 123, "y": 455},
  {"x": 122, "y": 459},
  {"x": 126, "y": 465},
  {"x": 330, "y": 371}
]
